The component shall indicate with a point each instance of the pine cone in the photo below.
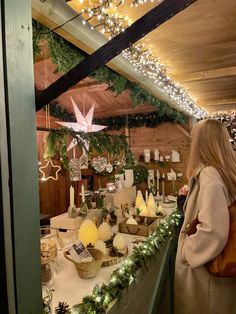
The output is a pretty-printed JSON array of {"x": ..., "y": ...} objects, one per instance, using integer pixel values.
[{"x": 62, "y": 308}]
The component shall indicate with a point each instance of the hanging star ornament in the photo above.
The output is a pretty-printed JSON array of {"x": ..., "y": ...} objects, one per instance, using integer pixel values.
[
  {"x": 84, "y": 124},
  {"x": 48, "y": 169}
]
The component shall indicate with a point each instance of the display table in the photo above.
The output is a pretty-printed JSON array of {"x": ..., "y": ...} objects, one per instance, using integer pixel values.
[{"x": 70, "y": 288}]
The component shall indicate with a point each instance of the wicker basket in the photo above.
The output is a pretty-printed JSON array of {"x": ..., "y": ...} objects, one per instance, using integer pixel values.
[{"x": 87, "y": 269}]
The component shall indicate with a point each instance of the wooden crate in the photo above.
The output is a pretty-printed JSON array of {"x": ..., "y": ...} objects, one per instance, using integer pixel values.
[{"x": 140, "y": 229}]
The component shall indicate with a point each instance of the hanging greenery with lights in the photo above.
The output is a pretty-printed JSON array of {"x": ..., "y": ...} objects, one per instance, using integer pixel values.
[
  {"x": 66, "y": 56},
  {"x": 150, "y": 120},
  {"x": 102, "y": 143},
  {"x": 122, "y": 277}
]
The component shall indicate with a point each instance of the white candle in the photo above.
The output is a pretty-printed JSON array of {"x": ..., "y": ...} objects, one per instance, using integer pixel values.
[
  {"x": 158, "y": 178},
  {"x": 72, "y": 196},
  {"x": 163, "y": 187},
  {"x": 82, "y": 193},
  {"x": 146, "y": 196}
]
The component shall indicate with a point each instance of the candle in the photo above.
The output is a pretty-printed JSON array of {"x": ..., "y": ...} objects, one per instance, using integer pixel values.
[
  {"x": 72, "y": 197},
  {"x": 82, "y": 194},
  {"x": 163, "y": 187},
  {"x": 146, "y": 196},
  {"x": 158, "y": 178}
]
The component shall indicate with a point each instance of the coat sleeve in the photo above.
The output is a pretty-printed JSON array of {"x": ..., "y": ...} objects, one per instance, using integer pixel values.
[{"x": 213, "y": 229}]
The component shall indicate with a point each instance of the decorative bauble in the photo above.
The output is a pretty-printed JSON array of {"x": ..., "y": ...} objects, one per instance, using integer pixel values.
[
  {"x": 119, "y": 242},
  {"x": 88, "y": 233},
  {"x": 131, "y": 221},
  {"x": 110, "y": 187},
  {"x": 100, "y": 245},
  {"x": 104, "y": 232},
  {"x": 99, "y": 163}
]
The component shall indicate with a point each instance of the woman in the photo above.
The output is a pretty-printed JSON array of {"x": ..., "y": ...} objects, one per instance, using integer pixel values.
[{"x": 212, "y": 189}]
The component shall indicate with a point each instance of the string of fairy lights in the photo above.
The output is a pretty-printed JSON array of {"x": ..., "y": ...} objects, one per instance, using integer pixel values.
[
  {"x": 229, "y": 119},
  {"x": 103, "y": 18}
]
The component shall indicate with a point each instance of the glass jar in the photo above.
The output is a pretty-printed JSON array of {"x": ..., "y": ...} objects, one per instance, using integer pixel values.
[{"x": 48, "y": 248}]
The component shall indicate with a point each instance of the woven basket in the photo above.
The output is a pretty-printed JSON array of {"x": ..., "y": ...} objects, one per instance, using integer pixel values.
[{"x": 87, "y": 269}]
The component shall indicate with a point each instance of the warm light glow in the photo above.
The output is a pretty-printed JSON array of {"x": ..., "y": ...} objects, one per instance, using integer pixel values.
[{"x": 142, "y": 59}]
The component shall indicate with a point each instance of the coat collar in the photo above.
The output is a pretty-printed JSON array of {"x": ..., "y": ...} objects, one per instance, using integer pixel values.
[{"x": 192, "y": 181}]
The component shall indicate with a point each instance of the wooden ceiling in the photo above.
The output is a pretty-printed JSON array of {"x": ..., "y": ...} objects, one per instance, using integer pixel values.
[
  {"x": 198, "y": 46},
  {"x": 86, "y": 93}
]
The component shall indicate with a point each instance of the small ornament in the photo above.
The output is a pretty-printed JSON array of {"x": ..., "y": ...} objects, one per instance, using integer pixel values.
[
  {"x": 88, "y": 233},
  {"x": 100, "y": 245},
  {"x": 147, "y": 156},
  {"x": 175, "y": 157},
  {"x": 109, "y": 167},
  {"x": 84, "y": 124},
  {"x": 83, "y": 160},
  {"x": 167, "y": 158},
  {"x": 48, "y": 169},
  {"x": 156, "y": 154},
  {"x": 104, "y": 232},
  {"x": 161, "y": 159},
  {"x": 83, "y": 209},
  {"x": 110, "y": 187},
  {"x": 131, "y": 221},
  {"x": 74, "y": 169},
  {"x": 119, "y": 242},
  {"x": 99, "y": 164}
]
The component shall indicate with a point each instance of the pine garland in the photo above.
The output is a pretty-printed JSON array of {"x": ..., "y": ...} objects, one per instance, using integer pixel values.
[
  {"x": 149, "y": 120},
  {"x": 121, "y": 278},
  {"x": 66, "y": 56},
  {"x": 114, "y": 145}
]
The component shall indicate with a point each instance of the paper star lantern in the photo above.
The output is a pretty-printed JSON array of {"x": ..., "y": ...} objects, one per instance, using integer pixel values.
[
  {"x": 84, "y": 124},
  {"x": 48, "y": 169}
]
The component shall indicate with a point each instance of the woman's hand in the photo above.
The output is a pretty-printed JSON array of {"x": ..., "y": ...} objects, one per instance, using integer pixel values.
[{"x": 184, "y": 190}]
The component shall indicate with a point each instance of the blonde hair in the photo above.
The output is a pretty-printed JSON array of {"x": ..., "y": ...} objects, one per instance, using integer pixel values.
[{"x": 211, "y": 147}]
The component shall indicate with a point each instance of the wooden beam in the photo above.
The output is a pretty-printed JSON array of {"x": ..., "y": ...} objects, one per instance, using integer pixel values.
[
  {"x": 182, "y": 130},
  {"x": 115, "y": 46},
  {"x": 206, "y": 75},
  {"x": 220, "y": 102}
]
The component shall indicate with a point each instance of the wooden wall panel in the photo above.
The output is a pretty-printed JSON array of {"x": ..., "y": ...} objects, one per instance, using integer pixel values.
[{"x": 165, "y": 137}]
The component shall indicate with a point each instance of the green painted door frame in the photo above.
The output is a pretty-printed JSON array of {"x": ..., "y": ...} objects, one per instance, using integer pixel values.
[{"x": 19, "y": 217}]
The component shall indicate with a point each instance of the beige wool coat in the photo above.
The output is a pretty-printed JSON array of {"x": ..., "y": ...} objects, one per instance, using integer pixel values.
[{"x": 196, "y": 291}]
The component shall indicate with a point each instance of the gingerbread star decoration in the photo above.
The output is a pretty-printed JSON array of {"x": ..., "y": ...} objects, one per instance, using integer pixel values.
[
  {"x": 49, "y": 171},
  {"x": 84, "y": 124}
]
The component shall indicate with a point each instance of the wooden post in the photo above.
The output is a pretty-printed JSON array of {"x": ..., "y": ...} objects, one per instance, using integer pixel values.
[{"x": 19, "y": 219}]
